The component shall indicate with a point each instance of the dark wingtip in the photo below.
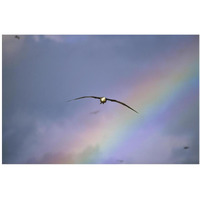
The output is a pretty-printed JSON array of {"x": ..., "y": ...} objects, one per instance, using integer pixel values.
[
  {"x": 69, "y": 100},
  {"x": 135, "y": 111}
]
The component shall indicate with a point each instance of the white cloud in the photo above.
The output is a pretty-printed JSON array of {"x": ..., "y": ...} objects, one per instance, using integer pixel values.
[
  {"x": 36, "y": 38},
  {"x": 55, "y": 38},
  {"x": 71, "y": 39}
]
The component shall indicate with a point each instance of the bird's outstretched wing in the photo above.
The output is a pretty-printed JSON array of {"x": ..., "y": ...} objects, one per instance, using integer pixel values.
[
  {"x": 121, "y": 103},
  {"x": 84, "y": 97}
]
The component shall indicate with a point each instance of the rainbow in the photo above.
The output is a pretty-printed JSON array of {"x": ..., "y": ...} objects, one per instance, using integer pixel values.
[{"x": 162, "y": 86}]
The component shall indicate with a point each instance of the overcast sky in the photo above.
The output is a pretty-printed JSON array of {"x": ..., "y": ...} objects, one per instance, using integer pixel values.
[{"x": 156, "y": 75}]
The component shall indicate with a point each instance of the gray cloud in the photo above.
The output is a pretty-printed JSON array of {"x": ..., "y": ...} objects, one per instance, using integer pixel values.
[
  {"x": 90, "y": 152},
  {"x": 40, "y": 72}
]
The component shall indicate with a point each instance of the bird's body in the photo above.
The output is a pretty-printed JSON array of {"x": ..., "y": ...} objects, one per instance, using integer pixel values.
[
  {"x": 103, "y": 100},
  {"x": 186, "y": 147}
]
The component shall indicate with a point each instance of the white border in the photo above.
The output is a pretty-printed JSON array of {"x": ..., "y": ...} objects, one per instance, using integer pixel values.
[{"x": 99, "y": 181}]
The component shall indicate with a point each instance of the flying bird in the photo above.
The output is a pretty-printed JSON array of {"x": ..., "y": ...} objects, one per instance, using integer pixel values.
[
  {"x": 17, "y": 37},
  {"x": 186, "y": 147},
  {"x": 103, "y": 100}
]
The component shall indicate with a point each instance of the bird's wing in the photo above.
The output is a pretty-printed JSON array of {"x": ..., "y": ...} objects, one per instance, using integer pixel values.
[
  {"x": 121, "y": 103},
  {"x": 85, "y": 97}
]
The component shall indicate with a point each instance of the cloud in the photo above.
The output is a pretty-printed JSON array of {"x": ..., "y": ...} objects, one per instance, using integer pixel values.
[
  {"x": 52, "y": 158},
  {"x": 36, "y": 38},
  {"x": 55, "y": 38},
  {"x": 70, "y": 39},
  {"x": 18, "y": 137},
  {"x": 88, "y": 155},
  {"x": 40, "y": 127},
  {"x": 33, "y": 139},
  {"x": 27, "y": 137},
  {"x": 11, "y": 49}
]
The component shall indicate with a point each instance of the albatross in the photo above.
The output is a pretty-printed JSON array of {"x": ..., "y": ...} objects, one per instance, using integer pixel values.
[{"x": 103, "y": 100}]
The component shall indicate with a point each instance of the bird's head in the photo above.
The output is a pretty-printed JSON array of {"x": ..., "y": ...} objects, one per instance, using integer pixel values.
[{"x": 103, "y": 99}]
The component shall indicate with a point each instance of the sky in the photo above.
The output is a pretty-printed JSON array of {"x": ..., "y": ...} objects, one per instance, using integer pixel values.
[{"x": 157, "y": 75}]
